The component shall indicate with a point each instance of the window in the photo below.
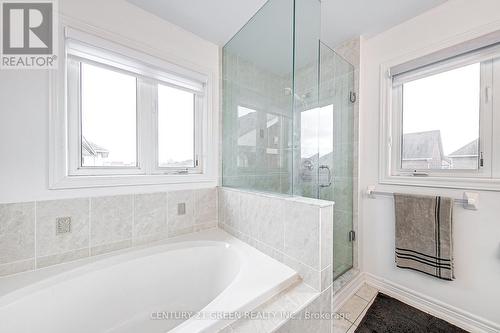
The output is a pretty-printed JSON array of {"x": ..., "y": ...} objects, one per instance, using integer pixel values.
[
  {"x": 110, "y": 109},
  {"x": 108, "y": 118},
  {"x": 441, "y": 120},
  {"x": 127, "y": 118},
  {"x": 176, "y": 131}
]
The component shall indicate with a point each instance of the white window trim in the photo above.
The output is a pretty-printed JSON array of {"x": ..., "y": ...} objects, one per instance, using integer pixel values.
[
  {"x": 59, "y": 156},
  {"x": 74, "y": 126},
  {"x": 389, "y": 149},
  {"x": 199, "y": 107},
  {"x": 484, "y": 118}
]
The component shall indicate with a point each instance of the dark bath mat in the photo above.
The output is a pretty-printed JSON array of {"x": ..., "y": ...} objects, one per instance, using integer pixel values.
[{"x": 388, "y": 315}]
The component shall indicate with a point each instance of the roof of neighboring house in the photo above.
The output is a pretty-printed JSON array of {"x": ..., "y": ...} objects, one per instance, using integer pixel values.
[
  {"x": 91, "y": 149},
  {"x": 470, "y": 149},
  {"x": 421, "y": 145},
  {"x": 247, "y": 123},
  {"x": 247, "y": 132}
]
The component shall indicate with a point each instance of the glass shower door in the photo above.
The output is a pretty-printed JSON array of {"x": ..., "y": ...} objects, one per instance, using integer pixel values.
[
  {"x": 324, "y": 128},
  {"x": 336, "y": 97}
]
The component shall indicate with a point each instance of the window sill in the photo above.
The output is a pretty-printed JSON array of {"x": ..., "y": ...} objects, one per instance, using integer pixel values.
[
  {"x": 462, "y": 183},
  {"x": 69, "y": 182}
]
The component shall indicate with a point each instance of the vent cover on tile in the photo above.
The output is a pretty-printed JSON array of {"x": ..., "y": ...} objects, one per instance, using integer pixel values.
[
  {"x": 181, "y": 208},
  {"x": 63, "y": 225}
]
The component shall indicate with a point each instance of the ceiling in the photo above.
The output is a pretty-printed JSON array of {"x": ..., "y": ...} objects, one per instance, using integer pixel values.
[
  {"x": 213, "y": 20},
  {"x": 218, "y": 20},
  {"x": 346, "y": 19}
]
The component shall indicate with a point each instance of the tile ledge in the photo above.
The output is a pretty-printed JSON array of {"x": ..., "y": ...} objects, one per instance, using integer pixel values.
[
  {"x": 292, "y": 300},
  {"x": 310, "y": 201}
]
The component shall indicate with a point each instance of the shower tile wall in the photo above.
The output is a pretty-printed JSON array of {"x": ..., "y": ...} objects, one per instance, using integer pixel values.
[{"x": 98, "y": 225}]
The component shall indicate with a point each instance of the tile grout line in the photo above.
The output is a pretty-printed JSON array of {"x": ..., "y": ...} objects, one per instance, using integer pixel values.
[
  {"x": 283, "y": 210},
  {"x": 233, "y": 230},
  {"x": 195, "y": 209},
  {"x": 320, "y": 250},
  {"x": 90, "y": 227},
  {"x": 364, "y": 308},
  {"x": 270, "y": 246},
  {"x": 35, "y": 259},
  {"x": 36, "y": 236},
  {"x": 133, "y": 220},
  {"x": 167, "y": 227}
]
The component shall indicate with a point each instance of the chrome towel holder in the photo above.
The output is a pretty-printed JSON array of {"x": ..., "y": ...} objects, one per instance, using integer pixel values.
[{"x": 469, "y": 201}]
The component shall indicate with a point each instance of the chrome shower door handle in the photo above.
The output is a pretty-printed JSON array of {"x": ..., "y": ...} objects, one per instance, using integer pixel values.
[{"x": 324, "y": 166}]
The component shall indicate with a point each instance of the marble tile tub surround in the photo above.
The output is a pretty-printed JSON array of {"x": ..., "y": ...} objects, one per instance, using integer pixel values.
[
  {"x": 28, "y": 237},
  {"x": 293, "y": 230},
  {"x": 295, "y": 310}
]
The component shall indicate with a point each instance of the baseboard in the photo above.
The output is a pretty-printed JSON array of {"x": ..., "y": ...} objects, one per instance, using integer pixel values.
[
  {"x": 347, "y": 291},
  {"x": 453, "y": 315}
]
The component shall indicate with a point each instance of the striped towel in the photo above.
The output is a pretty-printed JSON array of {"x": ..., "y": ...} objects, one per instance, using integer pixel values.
[{"x": 424, "y": 239}]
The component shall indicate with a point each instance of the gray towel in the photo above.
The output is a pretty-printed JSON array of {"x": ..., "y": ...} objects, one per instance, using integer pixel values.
[{"x": 424, "y": 240}]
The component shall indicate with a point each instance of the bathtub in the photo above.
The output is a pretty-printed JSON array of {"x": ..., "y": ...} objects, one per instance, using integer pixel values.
[{"x": 193, "y": 283}]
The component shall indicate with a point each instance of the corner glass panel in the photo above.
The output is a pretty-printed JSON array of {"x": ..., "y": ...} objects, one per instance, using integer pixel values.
[{"x": 257, "y": 102}]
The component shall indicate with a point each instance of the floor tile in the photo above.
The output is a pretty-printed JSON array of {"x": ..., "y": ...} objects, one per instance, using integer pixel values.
[
  {"x": 352, "y": 329},
  {"x": 367, "y": 292},
  {"x": 362, "y": 315},
  {"x": 353, "y": 308},
  {"x": 341, "y": 325}
]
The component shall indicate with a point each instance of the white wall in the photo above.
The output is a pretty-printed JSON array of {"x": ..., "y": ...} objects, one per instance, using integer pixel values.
[
  {"x": 476, "y": 233},
  {"x": 24, "y": 98}
]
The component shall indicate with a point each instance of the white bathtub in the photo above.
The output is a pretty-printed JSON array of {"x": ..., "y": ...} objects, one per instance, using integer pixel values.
[{"x": 136, "y": 290}]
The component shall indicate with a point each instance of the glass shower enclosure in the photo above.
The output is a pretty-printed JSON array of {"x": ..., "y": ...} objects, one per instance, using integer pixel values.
[{"x": 288, "y": 114}]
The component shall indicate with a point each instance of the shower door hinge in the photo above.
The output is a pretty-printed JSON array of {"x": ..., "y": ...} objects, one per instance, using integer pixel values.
[
  {"x": 352, "y": 97},
  {"x": 352, "y": 236}
]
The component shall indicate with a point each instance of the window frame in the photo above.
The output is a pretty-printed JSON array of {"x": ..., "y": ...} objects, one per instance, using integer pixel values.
[
  {"x": 146, "y": 107},
  {"x": 74, "y": 105},
  {"x": 484, "y": 118},
  {"x": 486, "y": 177},
  {"x": 198, "y": 142},
  {"x": 64, "y": 119}
]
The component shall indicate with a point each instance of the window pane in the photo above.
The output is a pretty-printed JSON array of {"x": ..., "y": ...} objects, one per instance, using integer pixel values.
[
  {"x": 175, "y": 127},
  {"x": 441, "y": 120},
  {"x": 109, "y": 118}
]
